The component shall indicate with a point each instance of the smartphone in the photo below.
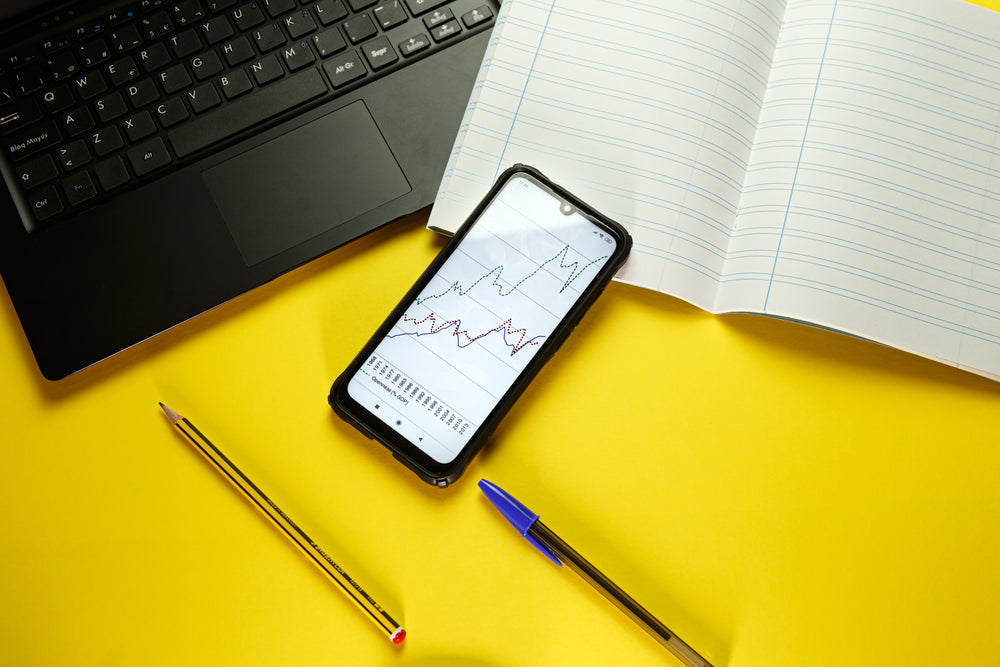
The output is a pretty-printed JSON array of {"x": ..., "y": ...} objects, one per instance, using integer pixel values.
[{"x": 434, "y": 381}]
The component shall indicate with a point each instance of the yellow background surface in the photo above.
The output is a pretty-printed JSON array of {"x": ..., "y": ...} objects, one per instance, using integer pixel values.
[{"x": 774, "y": 493}]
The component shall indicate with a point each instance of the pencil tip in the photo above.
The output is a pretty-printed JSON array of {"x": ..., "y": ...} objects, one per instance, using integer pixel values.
[{"x": 174, "y": 417}]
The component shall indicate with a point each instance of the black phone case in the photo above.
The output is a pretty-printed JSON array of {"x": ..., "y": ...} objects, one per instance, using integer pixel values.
[{"x": 426, "y": 468}]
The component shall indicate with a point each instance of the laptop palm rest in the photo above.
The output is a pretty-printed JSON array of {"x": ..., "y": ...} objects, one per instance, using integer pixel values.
[{"x": 328, "y": 172}]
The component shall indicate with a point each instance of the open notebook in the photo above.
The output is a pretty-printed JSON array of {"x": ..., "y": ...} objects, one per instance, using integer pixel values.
[{"x": 830, "y": 161}]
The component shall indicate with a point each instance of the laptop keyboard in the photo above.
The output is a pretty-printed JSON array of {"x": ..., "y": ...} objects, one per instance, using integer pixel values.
[{"x": 128, "y": 95}]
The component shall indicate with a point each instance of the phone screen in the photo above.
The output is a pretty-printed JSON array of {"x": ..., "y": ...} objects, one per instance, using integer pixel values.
[{"x": 461, "y": 344}]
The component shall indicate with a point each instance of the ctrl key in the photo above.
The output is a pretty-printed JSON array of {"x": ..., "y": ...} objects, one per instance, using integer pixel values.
[{"x": 45, "y": 202}]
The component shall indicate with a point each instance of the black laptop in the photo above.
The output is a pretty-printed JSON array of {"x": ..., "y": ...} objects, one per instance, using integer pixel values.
[{"x": 163, "y": 156}]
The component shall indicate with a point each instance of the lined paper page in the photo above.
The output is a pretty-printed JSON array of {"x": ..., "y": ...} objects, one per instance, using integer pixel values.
[
  {"x": 644, "y": 109},
  {"x": 872, "y": 202}
]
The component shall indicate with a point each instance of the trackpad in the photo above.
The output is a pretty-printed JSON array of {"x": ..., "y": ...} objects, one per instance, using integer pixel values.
[{"x": 305, "y": 182}]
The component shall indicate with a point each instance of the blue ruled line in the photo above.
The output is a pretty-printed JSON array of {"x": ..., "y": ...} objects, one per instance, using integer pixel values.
[{"x": 802, "y": 148}]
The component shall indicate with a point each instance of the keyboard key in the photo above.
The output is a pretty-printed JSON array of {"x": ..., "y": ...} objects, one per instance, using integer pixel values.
[
  {"x": 174, "y": 78},
  {"x": 438, "y": 17},
  {"x": 19, "y": 114},
  {"x": 142, "y": 93},
  {"x": 89, "y": 84},
  {"x": 446, "y": 30},
  {"x": 122, "y": 71},
  {"x": 379, "y": 53},
  {"x": 37, "y": 171},
  {"x": 94, "y": 52},
  {"x": 237, "y": 51},
  {"x": 477, "y": 16},
  {"x": 110, "y": 106},
  {"x": 57, "y": 98},
  {"x": 171, "y": 112},
  {"x": 7, "y": 93},
  {"x": 156, "y": 25},
  {"x": 95, "y": 27},
  {"x": 45, "y": 202},
  {"x": 106, "y": 140},
  {"x": 119, "y": 16},
  {"x": 414, "y": 44},
  {"x": 30, "y": 79},
  {"x": 266, "y": 70},
  {"x": 77, "y": 121},
  {"x": 234, "y": 84},
  {"x": 79, "y": 187},
  {"x": 358, "y": 5},
  {"x": 153, "y": 57},
  {"x": 22, "y": 58},
  {"x": 111, "y": 173},
  {"x": 187, "y": 12},
  {"x": 217, "y": 29},
  {"x": 344, "y": 69},
  {"x": 148, "y": 156},
  {"x": 418, "y": 7},
  {"x": 62, "y": 65},
  {"x": 125, "y": 38},
  {"x": 298, "y": 56},
  {"x": 268, "y": 37},
  {"x": 278, "y": 7},
  {"x": 138, "y": 126},
  {"x": 206, "y": 65},
  {"x": 203, "y": 98},
  {"x": 389, "y": 14},
  {"x": 360, "y": 28},
  {"x": 56, "y": 43},
  {"x": 247, "y": 111},
  {"x": 74, "y": 155},
  {"x": 219, "y": 5},
  {"x": 328, "y": 42},
  {"x": 29, "y": 140},
  {"x": 248, "y": 16},
  {"x": 186, "y": 43},
  {"x": 299, "y": 24},
  {"x": 328, "y": 11}
]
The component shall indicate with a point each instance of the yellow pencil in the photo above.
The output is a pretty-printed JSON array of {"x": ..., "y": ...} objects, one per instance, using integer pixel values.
[{"x": 372, "y": 610}]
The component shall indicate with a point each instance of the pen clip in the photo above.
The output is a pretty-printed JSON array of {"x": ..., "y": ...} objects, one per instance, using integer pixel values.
[
  {"x": 517, "y": 514},
  {"x": 544, "y": 549}
]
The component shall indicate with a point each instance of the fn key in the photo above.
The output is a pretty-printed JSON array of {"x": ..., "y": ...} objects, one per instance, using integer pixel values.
[{"x": 148, "y": 156}]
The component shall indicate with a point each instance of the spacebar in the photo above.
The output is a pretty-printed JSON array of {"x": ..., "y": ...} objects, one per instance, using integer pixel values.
[{"x": 260, "y": 105}]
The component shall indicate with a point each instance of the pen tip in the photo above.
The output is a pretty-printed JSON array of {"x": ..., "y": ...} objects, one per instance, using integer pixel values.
[
  {"x": 174, "y": 417},
  {"x": 398, "y": 636}
]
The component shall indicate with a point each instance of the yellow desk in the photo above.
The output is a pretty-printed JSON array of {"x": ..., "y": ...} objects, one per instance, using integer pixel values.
[{"x": 776, "y": 494}]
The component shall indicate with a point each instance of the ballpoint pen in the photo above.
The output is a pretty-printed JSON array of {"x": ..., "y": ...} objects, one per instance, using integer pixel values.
[
  {"x": 526, "y": 522},
  {"x": 281, "y": 520}
]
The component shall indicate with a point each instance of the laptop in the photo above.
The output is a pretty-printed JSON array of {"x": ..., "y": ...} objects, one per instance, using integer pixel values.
[{"x": 162, "y": 157}]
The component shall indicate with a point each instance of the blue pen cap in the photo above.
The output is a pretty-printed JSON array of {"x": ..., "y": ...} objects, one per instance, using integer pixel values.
[{"x": 519, "y": 516}]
